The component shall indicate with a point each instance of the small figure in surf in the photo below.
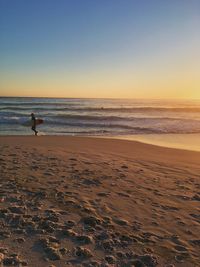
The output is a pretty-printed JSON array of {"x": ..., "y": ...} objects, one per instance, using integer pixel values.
[{"x": 33, "y": 119}]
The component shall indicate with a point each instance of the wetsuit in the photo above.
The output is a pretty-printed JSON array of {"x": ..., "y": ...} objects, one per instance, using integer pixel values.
[{"x": 34, "y": 124}]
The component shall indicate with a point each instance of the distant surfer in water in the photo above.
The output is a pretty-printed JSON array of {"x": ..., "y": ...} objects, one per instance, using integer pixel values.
[{"x": 33, "y": 119}]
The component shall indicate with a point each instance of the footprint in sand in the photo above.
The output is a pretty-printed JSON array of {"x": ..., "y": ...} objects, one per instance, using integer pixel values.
[
  {"x": 103, "y": 194},
  {"x": 123, "y": 194},
  {"x": 196, "y": 217},
  {"x": 195, "y": 242},
  {"x": 170, "y": 208},
  {"x": 180, "y": 248}
]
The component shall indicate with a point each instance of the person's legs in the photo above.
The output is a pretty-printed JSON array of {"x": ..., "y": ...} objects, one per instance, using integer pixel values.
[{"x": 33, "y": 128}]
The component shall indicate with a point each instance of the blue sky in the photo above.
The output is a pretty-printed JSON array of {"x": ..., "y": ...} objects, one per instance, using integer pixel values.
[{"x": 77, "y": 45}]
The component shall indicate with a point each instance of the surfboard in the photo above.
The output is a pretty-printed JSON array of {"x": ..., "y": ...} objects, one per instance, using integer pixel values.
[{"x": 30, "y": 122}]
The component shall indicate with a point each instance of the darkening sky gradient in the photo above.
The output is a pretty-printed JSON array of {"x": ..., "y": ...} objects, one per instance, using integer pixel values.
[{"x": 79, "y": 46}]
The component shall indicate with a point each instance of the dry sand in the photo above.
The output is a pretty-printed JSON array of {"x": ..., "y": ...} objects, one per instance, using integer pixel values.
[{"x": 74, "y": 201}]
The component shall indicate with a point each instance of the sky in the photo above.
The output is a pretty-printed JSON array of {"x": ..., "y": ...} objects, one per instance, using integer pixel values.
[{"x": 100, "y": 48}]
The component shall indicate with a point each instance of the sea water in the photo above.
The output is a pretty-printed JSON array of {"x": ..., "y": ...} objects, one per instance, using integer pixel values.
[{"x": 100, "y": 117}]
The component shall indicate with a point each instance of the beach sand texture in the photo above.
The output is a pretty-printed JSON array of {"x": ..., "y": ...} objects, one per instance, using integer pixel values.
[{"x": 79, "y": 201}]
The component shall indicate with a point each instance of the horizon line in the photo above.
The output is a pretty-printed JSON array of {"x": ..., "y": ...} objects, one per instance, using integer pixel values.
[{"x": 125, "y": 98}]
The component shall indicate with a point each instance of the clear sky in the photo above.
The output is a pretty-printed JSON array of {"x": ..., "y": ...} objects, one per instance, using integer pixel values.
[{"x": 100, "y": 48}]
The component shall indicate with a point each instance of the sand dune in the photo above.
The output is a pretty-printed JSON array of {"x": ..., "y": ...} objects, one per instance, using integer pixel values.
[{"x": 74, "y": 201}]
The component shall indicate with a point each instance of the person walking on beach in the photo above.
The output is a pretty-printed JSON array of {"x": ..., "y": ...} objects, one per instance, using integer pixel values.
[{"x": 33, "y": 119}]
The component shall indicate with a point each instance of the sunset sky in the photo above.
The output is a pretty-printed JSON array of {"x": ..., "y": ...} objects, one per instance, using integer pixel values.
[{"x": 100, "y": 48}]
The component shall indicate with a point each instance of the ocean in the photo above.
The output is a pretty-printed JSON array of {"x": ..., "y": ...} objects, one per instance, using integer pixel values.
[{"x": 99, "y": 117}]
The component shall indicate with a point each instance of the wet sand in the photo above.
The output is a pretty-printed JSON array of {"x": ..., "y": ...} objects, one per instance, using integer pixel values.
[
  {"x": 77, "y": 201},
  {"x": 180, "y": 141}
]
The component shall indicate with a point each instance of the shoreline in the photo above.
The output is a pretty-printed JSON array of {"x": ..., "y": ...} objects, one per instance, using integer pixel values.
[
  {"x": 83, "y": 201},
  {"x": 188, "y": 142}
]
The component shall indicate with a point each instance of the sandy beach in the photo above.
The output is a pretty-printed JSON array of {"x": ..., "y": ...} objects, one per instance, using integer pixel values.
[{"x": 80, "y": 201}]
